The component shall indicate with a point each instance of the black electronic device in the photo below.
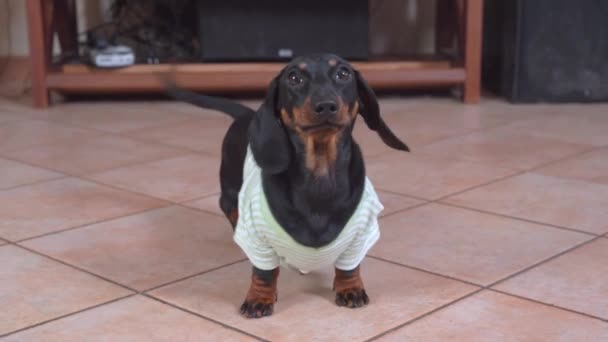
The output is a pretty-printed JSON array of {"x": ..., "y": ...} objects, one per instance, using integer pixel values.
[
  {"x": 546, "y": 50},
  {"x": 270, "y": 30}
]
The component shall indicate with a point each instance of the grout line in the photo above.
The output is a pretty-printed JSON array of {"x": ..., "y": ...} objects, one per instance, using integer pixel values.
[
  {"x": 167, "y": 202},
  {"x": 471, "y": 132},
  {"x": 511, "y": 175},
  {"x": 130, "y": 133},
  {"x": 441, "y": 200},
  {"x": 51, "y": 141},
  {"x": 132, "y": 290},
  {"x": 76, "y": 268},
  {"x": 179, "y": 153},
  {"x": 65, "y": 263},
  {"x": 117, "y": 188},
  {"x": 84, "y": 225},
  {"x": 67, "y": 122},
  {"x": 544, "y": 261},
  {"x": 489, "y": 286},
  {"x": 584, "y": 152},
  {"x": 200, "y": 198},
  {"x": 162, "y": 143},
  {"x": 564, "y": 158},
  {"x": 183, "y": 205},
  {"x": 68, "y": 315},
  {"x": 400, "y": 211},
  {"x": 548, "y": 304},
  {"x": 83, "y": 177},
  {"x": 574, "y": 230},
  {"x": 404, "y": 195},
  {"x": 35, "y": 182},
  {"x": 497, "y": 180},
  {"x": 405, "y": 209},
  {"x": 426, "y": 271},
  {"x": 373, "y": 338},
  {"x": 203, "y": 317},
  {"x": 156, "y": 287}
]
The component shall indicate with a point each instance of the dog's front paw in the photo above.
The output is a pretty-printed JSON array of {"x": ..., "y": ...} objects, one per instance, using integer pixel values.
[
  {"x": 257, "y": 308},
  {"x": 352, "y": 298}
]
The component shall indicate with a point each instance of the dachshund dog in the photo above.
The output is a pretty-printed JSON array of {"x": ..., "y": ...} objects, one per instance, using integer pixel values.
[{"x": 293, "y": 183}]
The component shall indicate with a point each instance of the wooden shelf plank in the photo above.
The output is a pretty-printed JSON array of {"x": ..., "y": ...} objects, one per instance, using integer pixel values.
[
  {"x": 222, "y": 77},
  {"x": 250, "y": 67}
]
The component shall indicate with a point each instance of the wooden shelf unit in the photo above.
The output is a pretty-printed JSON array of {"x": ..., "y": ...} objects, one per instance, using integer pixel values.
[{"x": 45, "y": 17}]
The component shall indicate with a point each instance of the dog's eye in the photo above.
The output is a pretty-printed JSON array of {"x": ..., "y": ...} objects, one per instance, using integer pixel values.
[
  {"x": 343, "y": 75},
  {"x": 294, "y": 79}
]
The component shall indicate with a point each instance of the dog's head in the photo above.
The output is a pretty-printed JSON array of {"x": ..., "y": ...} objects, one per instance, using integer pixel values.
[{"x": 315, "y": 99}]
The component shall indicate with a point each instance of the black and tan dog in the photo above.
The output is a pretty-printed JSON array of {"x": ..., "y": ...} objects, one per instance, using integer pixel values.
[{"x": 312, "y": 171}]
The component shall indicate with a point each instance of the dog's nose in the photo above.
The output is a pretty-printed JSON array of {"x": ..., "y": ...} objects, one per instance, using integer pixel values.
[{"x": 326, "y": 108}]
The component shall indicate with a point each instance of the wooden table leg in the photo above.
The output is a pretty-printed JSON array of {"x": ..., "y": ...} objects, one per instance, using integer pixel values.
[
  {"x": 472, "y": 51},
  {"x": 39, "y": 57}
]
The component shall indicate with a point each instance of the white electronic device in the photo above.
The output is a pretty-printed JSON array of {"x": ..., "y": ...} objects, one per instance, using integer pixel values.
[{"x": 112, "y": 57}]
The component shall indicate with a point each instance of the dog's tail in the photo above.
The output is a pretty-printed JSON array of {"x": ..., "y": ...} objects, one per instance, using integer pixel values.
[{"x": 232, "y": 108}]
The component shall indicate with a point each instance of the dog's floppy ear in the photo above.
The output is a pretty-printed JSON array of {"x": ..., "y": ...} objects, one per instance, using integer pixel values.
[
  {"x": 370, "y": 111},
  {"x": 267, "y": 137}
]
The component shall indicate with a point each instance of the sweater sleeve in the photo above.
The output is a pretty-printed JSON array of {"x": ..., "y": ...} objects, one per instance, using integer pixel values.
[
  {"x": 254, "y": 244},
  {"x": 368, "y": 232}
]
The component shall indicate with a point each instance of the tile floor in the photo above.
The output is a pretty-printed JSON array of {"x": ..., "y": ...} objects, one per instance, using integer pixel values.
[{"x": 495, "y": 228}]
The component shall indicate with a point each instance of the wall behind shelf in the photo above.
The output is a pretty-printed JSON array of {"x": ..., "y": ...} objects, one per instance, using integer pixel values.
[
  {"x": 412, "y": 19},
  {"x": 13, "y": 23}
]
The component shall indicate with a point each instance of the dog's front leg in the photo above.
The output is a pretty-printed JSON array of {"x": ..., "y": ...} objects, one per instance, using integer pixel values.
[
  {"x": 349, "y": 288},
  {"x": 262, "y": 294}
]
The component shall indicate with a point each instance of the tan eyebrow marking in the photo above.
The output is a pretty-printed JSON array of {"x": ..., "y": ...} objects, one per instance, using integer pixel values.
[
  {"x": 332, "y": 62},
  {"x": 302, "y": 65}
]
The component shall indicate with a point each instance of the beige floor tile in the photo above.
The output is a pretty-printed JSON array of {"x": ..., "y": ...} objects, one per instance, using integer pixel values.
[
  {"x": 132, "y": 319},
  {"x": 204, "y": 135},
  {"x": 496, "y": 148},
  {"x": 425, "y": 122},
  {"x": 306, "y": 303},
  {"x": 468, "y": 245},
  {"x": 567, "y": 203},
  {"x": 177, "y": 179},
  {"x": 428, "y": 177},
  {"x": 590, "y": 167},
  {"x": 41, "y": 208},
  {"x": 16, "y": 174},
  {"x": 490, "y": 316},
  {"x": 92, "y": 155},
  {"x": 576, "y": 124},
  {"x": 28, "y": 133},
  {"x": 394, "y": 202},
  {"x": 209, "y": 204},
  {"x": 36, "y": 289},
  {"x": 577, "y": 280},
  {"x": 21, "y": 107},
  {"x": 6, "y": 117},
  {"x": 147, "y": 249},
  {"x": 118, "y": 117}
]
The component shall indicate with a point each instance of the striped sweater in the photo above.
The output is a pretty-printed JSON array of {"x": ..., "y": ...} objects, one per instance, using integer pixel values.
[{"x": 268, "y": 245}]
